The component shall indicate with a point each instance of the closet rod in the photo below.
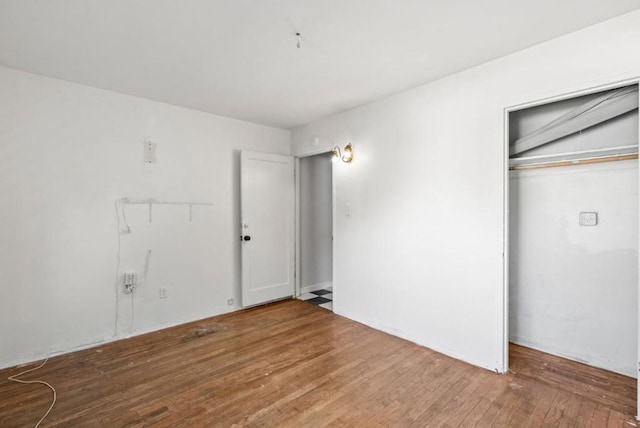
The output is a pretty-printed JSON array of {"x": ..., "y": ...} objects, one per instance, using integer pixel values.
[{"x": 575, "y": 162}]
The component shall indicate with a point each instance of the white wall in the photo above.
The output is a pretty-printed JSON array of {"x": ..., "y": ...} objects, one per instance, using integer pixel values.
[
  {"x": 316, "y": 220},
  {"x": 425, "y": 241},
  {"x": 67, "y": 153},
  {"x": 574, "y": 289}
]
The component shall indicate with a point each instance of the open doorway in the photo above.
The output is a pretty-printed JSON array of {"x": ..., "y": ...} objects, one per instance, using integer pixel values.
[
  {"x": 573, "y": 241},
  {"x": 315, "y": 230}
]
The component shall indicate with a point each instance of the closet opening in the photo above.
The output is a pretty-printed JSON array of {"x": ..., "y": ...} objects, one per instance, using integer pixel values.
[{"x": 572, "y": 238}]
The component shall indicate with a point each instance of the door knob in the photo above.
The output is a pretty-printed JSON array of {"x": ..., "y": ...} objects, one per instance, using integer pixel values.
[{"x": 247, "y": 238}]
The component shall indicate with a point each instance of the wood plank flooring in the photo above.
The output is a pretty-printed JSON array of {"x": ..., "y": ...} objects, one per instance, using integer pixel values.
[{"x": 292, "y": 364}]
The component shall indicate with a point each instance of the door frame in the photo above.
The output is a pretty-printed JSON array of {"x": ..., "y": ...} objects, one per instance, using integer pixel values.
[
  {"x": 505, "y": 213},
  {"x": 298, "y": 235}
]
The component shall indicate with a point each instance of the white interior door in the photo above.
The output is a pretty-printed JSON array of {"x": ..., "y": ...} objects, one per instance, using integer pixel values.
[{"x": 267, "y": 229}]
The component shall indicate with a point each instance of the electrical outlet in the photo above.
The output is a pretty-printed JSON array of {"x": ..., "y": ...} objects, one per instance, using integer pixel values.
[
  {"x": 129, "y": 279},
  {"x": 588, "y": 219},
  {"x": 163, "y": 293},
  {"x": 230, "y": 302}
]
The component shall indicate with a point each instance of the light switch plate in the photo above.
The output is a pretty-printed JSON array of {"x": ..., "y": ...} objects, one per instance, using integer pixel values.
[
  {"x": 588, "y": 219},
  {"x": 150, "y": 151}
]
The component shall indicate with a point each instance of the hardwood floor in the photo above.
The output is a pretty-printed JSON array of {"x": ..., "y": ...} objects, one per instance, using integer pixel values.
[{"x": 292, "y": 364}]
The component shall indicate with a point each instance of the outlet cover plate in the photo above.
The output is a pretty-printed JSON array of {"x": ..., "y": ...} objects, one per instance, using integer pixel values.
[
  {"x": 150, "y": 152},
  {"x": 588, "y": 219},
  {"x": 130, "y": 278}
]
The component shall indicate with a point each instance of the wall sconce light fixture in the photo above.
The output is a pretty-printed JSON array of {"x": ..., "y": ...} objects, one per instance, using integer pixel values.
[{"x": 345, "y": 155}]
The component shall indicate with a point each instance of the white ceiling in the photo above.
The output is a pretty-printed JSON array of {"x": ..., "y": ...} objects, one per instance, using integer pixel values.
[{"x": 238, "y": 58}]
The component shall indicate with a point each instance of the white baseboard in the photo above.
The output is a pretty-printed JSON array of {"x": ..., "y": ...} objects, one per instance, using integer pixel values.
[{"x": 315, "y": 287}]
